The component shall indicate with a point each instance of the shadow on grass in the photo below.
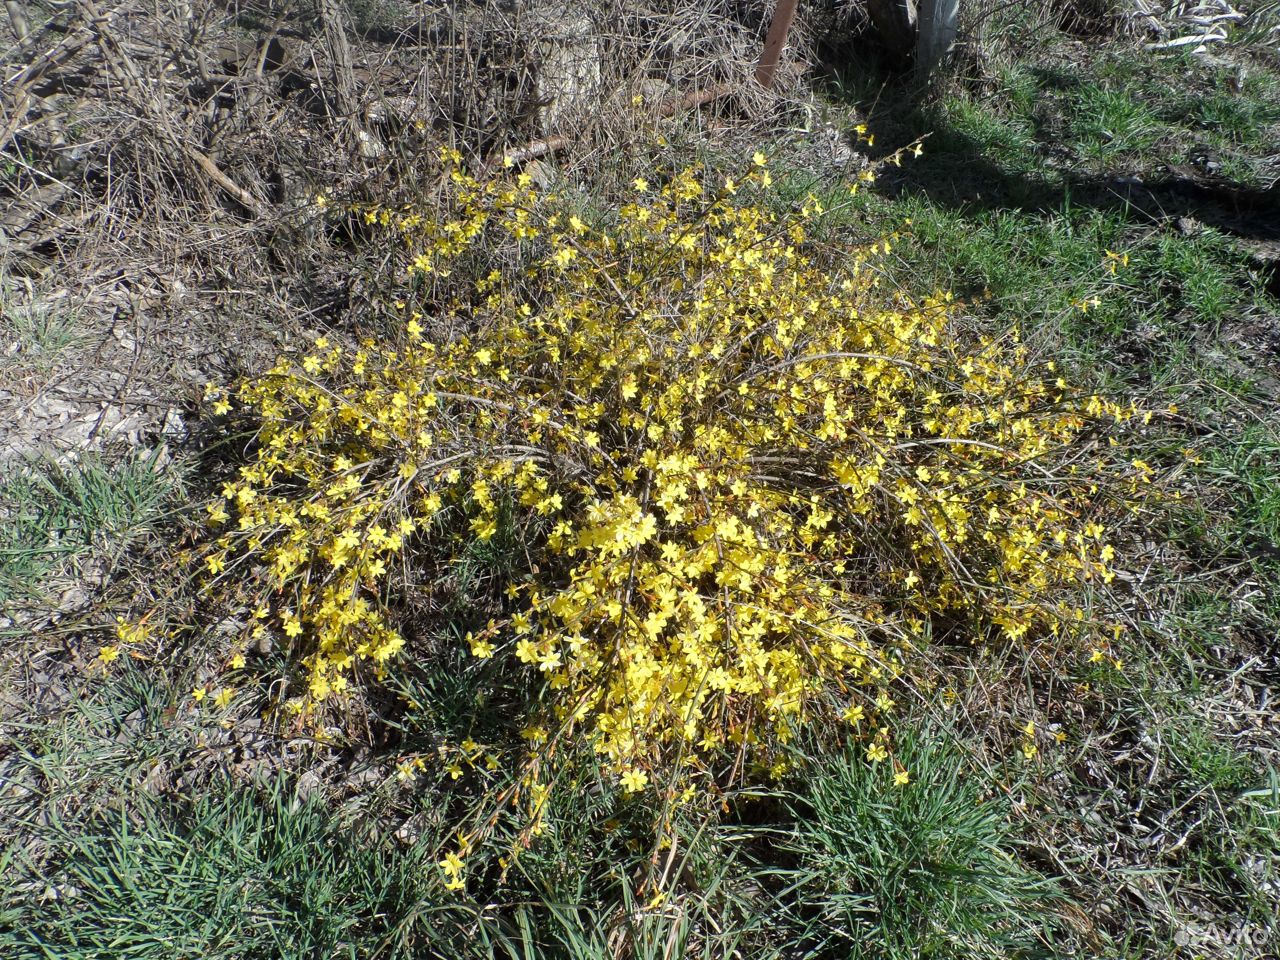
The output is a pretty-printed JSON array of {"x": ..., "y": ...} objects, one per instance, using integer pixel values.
[{"x": 961, "y": 171}]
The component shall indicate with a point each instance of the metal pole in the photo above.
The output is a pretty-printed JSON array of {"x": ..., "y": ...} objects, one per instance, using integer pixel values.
[{"x": 938, "y": 24}]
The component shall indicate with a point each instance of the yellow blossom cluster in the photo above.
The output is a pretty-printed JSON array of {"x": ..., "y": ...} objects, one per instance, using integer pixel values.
[{"x": 749, "y": 482}]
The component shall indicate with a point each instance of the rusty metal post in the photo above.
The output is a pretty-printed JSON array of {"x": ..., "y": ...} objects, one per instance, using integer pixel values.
[{"x": 783, "y": 15}]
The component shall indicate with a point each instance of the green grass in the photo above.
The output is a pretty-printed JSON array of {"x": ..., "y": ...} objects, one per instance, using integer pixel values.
[
  {"x": 1250, "y": 467},
  {"x": 1234, "y": 515},
  {"x": 95, "y": 744},
  {"x": 124, "y": 837},
  {"x": 56, "y": 513},
  {"x": 928, "y": 869},
  {"x": 1177, "y": 792},
  {"x": 1144, "y": 324},
  {"x": 1240, "y": 854},
  {"x": 1202, "y": 759},
  {"x": 1120, "y": 111},
  {"x": 1109, "y": 124},
  {"x": 237, "y": 873},
  {"x": 594, "y": 883},
  {"x": 34, "y": 334}
]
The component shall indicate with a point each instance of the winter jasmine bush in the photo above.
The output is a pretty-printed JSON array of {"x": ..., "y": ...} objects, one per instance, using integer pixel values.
[{"x": 750, "y": 482}]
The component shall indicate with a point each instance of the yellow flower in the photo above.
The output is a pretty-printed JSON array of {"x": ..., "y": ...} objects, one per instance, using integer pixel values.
[
  {"x": 108, "y": 653},
  {"x": 223, "y": 698},
  {"x": 198, "y": 694},
  {"x": 758, "y": 159},
  {"x": 901, "y": 778},
  {"x": 633, "y": 781},
  {"x": 452, "y": 864},
  {"x": 876, "y": 752}
]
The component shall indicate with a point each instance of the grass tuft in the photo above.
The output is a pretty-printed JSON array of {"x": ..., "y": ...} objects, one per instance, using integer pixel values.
[
  {"x": 922, "y": 869},
  {"x": 56, "y": 513}
]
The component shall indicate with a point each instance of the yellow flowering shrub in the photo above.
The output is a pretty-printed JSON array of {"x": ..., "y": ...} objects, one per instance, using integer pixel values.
[{"x": 749, "y": 483}]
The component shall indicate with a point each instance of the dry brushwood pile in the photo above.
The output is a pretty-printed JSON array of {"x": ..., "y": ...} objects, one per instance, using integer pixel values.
[
  {"x": 122, "y": 116},
  {"x": 750, "y": 487}
]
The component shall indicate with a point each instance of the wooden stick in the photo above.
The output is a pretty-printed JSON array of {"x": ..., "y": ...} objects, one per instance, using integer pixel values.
[
  {"x": 531, "y": 151},
  {"x": 697, "y": 98},
  {"x": 18, "y": 21},
  {"x": 214, "y": 173}
]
